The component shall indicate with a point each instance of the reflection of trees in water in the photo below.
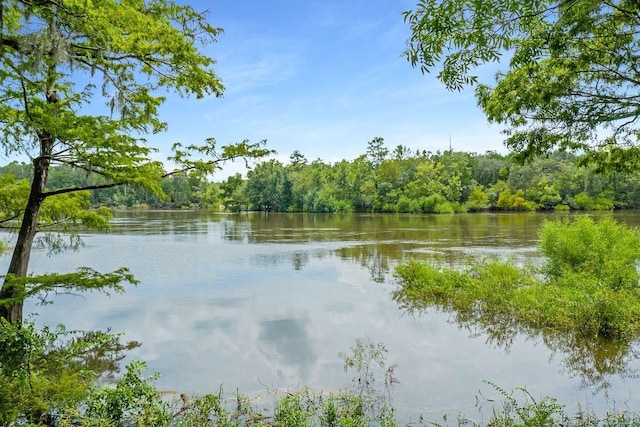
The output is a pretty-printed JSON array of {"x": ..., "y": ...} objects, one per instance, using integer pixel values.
[
  {"x": 95, "y": 351},
  {"x": 299, "y": 259},
  {"x": 378, "y": 242},
  {"x": 372, "y": 257},
  {"x": 594, "y": 361},
  {"x": 260, "y": 227},
  {"x": 381, "y": 257},
  {"x": 169, "y": 222},
  {"x": 236, "y": 231}
]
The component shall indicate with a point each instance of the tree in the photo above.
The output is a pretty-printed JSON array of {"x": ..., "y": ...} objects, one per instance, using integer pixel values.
[
  {"x": 376, "y": 151},
  {"x": 298, "y": 160},
  {"x": 268, "y": 187},
  {"x": 61, "y": 59},
  {"x": 572, "y": 76}
]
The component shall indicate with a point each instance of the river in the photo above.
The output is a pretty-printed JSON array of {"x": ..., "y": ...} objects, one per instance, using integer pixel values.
[{"x": 261, "y": 302}]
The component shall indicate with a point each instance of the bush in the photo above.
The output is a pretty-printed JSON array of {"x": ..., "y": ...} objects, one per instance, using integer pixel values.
[
  {"x": 407, "y": 205},
  {"x": 45, "y": 373},
  {"x": 603, "y": 251},
  {"x": 477, "y": 200},
  {"x": 436, "y": 203},
  {"x": 589, "y": 284},
  {"x": 514, "y": 202},
  {"x": 582, "y": 201}
]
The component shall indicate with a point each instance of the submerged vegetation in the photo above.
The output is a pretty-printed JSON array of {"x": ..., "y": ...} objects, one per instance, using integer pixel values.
[
  {"x": 583, "y": 301},
  {"x": 588, "y": 284}
]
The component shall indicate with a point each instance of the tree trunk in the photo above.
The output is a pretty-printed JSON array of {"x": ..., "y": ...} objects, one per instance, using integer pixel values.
[{"x": 28, "y": 229}]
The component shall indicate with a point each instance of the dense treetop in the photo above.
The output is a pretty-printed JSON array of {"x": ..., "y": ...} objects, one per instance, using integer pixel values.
[
  {"x": 81, "y": 83},
  {"x": 381, "y": 180},
  {"x": 571, "y": 69}
]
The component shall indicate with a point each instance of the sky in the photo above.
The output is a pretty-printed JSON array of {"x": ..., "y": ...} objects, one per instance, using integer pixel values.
[{"x": 323, "y": 77}]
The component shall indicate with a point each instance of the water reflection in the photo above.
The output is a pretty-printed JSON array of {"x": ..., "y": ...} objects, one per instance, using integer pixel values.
[
  {"x": 299, "y": 259},
  {"x": 287, "y": 342},
  {"x": 254, "y": 299},
  {"x": 378, "y": 242},
  {"x": 593, "y": 360}
]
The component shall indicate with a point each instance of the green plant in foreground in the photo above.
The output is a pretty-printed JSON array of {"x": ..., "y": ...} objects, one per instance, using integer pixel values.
[
  {"x": 531, "y": 413},
  {"x": 45, "y": 382},
  {"x": 519, "y": 408},
  {"x": 46, "y": 379},
  {"x": 45, "y": 372}
]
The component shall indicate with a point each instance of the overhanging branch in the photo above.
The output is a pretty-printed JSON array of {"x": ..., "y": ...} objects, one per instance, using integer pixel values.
[{"x": 85, "y": 188}]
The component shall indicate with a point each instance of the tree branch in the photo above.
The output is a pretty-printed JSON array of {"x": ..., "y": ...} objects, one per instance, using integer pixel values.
[{"x": 86, "y": 188}]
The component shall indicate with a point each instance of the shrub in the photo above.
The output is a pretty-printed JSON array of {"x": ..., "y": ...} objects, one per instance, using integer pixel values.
[
  {"x": 407, "y": 205},
  {"x": 478, "y": 200},
  {"x": 436, "y": 203},
  {"x": 589, "y": 284},
  {"x": 582, "y": 201},
  {"x": 46, "y": 372},
  {"x": 604, "y": 251}
]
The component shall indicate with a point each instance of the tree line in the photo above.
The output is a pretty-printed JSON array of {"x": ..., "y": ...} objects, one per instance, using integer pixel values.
[
  {"x": 417, "y": 181},
  {"x": 401, "y": 180}
]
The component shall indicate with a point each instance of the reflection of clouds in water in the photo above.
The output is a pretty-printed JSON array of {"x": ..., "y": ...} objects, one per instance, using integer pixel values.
[
  {"x": 214, "y": 309},
  {"x": 288, "y": 342},
  {"x": 340, "y": 312},
  {"x": 352, "y": 275}
]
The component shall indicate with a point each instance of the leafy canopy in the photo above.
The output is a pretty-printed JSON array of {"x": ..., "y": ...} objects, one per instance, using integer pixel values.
[
  {"x": 91, "y": 76},
  {"x": 81, "y": 81},
  {"x": 572, "y": 76}
]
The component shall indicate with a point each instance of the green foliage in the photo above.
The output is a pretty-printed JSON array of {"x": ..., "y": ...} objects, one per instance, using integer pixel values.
[
  {"x": 291, "y": 411},
  {"x": 209, "y": 159},
  {"x": 570, "y": 80},
  {"x": 436, "y": 203},
  {"x": 83, "y": 280},
  {"x": 589, "y": 288},
  {"x": 46, "y": 379},
  {"x": 437, "y": 183},
  {"x": 59, "y": 217},
  {"x": 519, "y": 408},
  {"x": 456, "y": 182},
  {"x": 530, "y": 413},
  {"x": 478, "y": 200},
  {"x": 59, "y": 57},
  {"x": 132, "y": 401},
  {"x": 376, "y": 151},
  {"x": 13, "y": 195},
  {"x": 604, "y": 252},
  {"x": 47, "y": 372},
  {"x": 514, "y": 202},
  {"x": 583, "y": 201}
]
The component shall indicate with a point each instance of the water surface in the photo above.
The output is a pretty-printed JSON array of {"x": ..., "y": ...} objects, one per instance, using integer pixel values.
[{"x": 257, "y": 302}]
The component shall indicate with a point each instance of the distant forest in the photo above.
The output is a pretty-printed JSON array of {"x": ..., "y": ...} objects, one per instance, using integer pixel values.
[{"x": 401, "y": 180}]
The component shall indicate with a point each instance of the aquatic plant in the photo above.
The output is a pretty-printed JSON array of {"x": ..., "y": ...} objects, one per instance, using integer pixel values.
[{"x": 588, "y": 283}]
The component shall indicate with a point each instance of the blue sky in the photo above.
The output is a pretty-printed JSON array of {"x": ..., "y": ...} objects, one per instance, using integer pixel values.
[{"x": 323, "y": 77}]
